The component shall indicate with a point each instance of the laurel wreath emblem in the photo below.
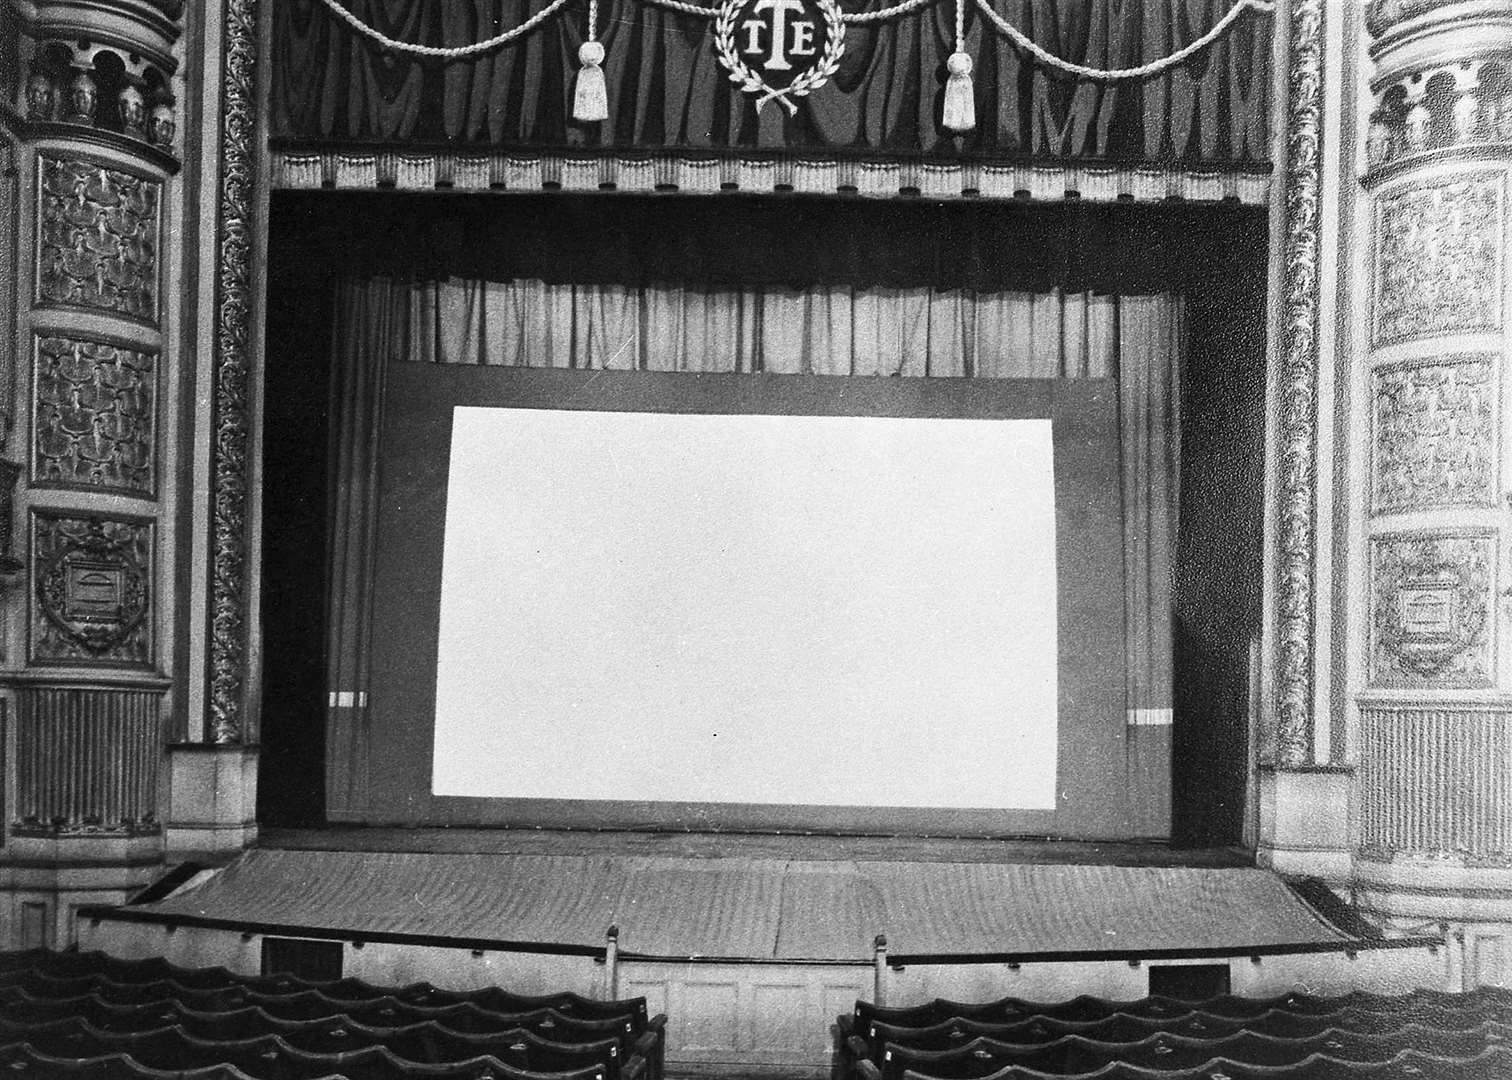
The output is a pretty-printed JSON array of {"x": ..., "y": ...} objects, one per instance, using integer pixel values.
[{"x": 751, "y": 83}]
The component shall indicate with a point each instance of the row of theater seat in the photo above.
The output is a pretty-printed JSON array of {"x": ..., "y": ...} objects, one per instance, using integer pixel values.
[
  {"x": 1422, "y": 1035},
  {"x": 55, "y": 974},
  {"x": 88, "y": 1015}
]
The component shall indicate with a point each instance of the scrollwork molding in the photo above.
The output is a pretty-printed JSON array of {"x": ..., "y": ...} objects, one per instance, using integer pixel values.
[
  {"x": 235, "y": 229},
  {"x": 1291, "y": 739}
]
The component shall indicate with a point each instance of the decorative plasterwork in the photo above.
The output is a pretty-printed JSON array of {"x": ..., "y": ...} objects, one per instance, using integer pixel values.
[
  {"x": 1438, "y": 260},
  {"x": 83, "y": 83},
  {"x": 97, "y": 238},
  {"x": 1382, "y": 15},
  {"x": 147, "y": 29},
  {"x": 1291, "y": 742},
  {"x": 233, "y": 333},
  {"x": 1434, "y": 426},
  {"x": 93, "y": 416},
  {"x": 1440, "y": 107},
  {"x": 1430, "y": 601},
  {"x": 93, "y": 581}
]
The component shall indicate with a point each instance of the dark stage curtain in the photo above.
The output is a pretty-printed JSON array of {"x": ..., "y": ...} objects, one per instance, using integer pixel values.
[
  {"x": 667, "y": 90},
  {"x": 733, "y": 239}
]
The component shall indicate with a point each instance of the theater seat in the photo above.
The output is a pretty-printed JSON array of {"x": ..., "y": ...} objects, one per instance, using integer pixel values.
[{"x": 89, "y": 1015}]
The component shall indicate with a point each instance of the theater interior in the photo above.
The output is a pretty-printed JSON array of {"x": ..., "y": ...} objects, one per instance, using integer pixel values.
[{"x": 607, "y": 539}]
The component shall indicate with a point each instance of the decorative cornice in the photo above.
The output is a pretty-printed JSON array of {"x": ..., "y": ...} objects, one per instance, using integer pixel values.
[
  {"x": 347, "y": 168},
  {"x": 68, "y": 679},
  {"x": 148, "y": 27},
  {"x": 1436, "y": 160},
  {"x": 1382, "y": 15},
  {"x": 228, "y": 612},
  {"x": 159, "y": 160},
  {"x": 1292, "y": 738},
  {"x": 1435, "y": 33}
]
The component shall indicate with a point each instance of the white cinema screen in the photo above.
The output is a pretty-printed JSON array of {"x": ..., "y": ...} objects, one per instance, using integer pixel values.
[{"x": 754, "y": 609}]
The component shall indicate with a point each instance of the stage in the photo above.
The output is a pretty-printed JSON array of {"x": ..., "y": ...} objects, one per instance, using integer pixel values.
[{"x": 752, "y": 943}]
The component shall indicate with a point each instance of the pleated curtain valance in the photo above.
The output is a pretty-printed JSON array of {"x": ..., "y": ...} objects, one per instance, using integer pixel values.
[{"x": 821, "y": 330}]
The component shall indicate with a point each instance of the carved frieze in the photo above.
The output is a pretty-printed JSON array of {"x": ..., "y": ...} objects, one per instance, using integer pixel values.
[
  {"x": 1290, "y": 741},
  {"x": 1434, "y": 434},
  {"x": 235, "y": 228},
  {"x": 97, "y": 238},
  {"x": 1438, "y": 259},
  {"x": 93, "y": 416},
  {"x": 1430, "y": 602},
  {"x": 92, "y": 598}
]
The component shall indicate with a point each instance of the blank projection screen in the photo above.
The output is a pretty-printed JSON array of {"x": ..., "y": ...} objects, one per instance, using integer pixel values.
[{"x": 760, "y": 609}]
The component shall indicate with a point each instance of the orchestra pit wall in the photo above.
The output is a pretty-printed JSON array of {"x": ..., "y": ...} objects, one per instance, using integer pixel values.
[
  {"x": 721, "y": 1014},
  {"x": 103, "y": 189}
]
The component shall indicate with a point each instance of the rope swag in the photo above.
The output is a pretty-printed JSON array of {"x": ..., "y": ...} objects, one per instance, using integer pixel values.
[{"x": 744, "y": 28}]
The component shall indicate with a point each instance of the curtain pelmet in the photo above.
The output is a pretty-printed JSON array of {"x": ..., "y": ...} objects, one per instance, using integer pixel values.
[{"x": 668, "y": 91}]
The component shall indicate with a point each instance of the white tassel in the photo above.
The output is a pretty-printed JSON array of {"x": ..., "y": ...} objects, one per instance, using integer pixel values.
[
  {"x": 591, "y": 101},
  {"x": 960, "y": 97}
]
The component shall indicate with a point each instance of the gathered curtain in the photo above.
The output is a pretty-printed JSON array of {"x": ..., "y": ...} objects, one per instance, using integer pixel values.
[
  {"x": 668, "y": 92},
  {"x": 821, "y": 330}
]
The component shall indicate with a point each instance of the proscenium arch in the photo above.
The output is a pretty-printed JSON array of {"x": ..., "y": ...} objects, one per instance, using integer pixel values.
[{"x": 240, "y": 232}]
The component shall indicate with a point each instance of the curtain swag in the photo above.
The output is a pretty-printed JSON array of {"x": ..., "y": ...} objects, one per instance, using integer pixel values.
[{"x": 783, "y": 50}]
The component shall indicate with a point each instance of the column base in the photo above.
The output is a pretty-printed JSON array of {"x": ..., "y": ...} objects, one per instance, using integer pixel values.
[
  {"x": 1304, "y": 822},
  {"x": 45, "y": 879},
  {"x": 212, "y": 814},
  {"x": 1471, "y": 897}
]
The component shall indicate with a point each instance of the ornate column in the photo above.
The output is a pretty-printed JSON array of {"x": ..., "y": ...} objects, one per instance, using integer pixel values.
[
  {"x": 88, "y": 118},
  {"x": 1435, "y": 700},
  {"x": 1303, "y": 790},
  {"x": 213, "y": 769}
]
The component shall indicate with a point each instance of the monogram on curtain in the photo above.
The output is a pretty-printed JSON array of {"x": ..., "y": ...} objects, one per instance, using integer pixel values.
[{"x": 820, "y": 330}]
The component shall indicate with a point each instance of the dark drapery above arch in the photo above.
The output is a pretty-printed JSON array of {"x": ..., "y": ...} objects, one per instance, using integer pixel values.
[{"x": 668, "y": 92}]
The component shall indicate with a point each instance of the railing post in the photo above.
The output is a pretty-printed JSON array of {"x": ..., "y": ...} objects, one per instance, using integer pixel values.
[
  {"x": 879, "y": 969},
  {"x": 611, "y": 963}
]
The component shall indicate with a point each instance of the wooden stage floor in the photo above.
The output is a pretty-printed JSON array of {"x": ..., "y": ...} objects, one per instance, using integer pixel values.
[{"x": 790, "y": 846}]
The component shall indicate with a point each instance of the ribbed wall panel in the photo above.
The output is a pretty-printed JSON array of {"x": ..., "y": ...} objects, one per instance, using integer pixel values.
[
  {"x": 87, "y": 760},
  {"x": 1436, "y": 780}
]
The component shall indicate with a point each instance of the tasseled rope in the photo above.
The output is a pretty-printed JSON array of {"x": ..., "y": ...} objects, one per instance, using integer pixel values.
[
  {"x": 591, "y": 102},
  {"x": 960, "y": 97}
]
